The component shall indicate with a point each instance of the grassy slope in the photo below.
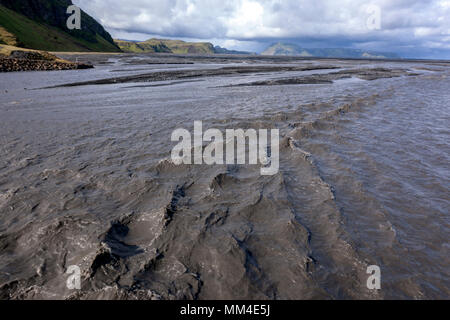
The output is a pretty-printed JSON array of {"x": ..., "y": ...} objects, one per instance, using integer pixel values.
[
  {"x": 141, "y": 47},
  {"x": 7, "y": 38},
  {"x": 181, "y": 47},
  {"x": 161, "y": 45},
  {"x": 34, "y": 35}
]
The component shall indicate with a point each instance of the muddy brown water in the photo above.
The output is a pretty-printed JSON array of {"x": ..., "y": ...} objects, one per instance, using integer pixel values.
[{"x": 86, "y": 180}]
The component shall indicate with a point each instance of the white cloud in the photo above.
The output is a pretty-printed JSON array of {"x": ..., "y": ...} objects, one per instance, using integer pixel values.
[{"x": 404, "y": 23}]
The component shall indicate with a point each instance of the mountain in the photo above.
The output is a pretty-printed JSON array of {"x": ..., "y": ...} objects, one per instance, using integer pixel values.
[
  {"x": 220, "y": 50},
  {"x": 288, "y": 49},
  {"x": 141, "y": 47},
  {"x": 41, "y": 25},
  {"x": 173, "y": 46},
  {"x": 165, "y": 46}
]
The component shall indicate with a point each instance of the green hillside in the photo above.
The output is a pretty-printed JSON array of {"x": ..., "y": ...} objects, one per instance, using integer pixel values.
[
  {"x": 142, "y": 47},
  {"x": 21, "y": 24}
]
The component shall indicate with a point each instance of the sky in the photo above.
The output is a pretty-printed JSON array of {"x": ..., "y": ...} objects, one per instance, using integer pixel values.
[{"x": 410, "y": 28}]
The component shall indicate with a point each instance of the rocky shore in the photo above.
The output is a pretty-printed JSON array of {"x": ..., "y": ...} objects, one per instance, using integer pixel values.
[{"x": 16, "y": 59}]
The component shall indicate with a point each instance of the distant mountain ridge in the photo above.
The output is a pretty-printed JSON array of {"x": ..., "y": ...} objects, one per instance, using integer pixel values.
[
  {"x": 141, "y": 46},
  {"x": 172, "y": 46},
  {"x": 289, "y": 49},
  {"x": 165, "y": 46},
  {"x": 41, "y": 25},
  {"x": 219, "y": 50}
]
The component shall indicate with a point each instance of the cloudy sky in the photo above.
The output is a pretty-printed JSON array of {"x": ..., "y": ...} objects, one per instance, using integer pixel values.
[{"x": 412, "y": 28}]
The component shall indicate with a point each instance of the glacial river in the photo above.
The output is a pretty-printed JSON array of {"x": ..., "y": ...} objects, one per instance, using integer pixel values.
[{"x": 86, "y": 179}]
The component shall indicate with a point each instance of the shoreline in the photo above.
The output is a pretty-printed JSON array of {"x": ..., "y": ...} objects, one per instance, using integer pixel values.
[
  {"x": 36, "y": 60},
  {"x": 243, "y": 56},
  {"x": 15, "y": 59}
]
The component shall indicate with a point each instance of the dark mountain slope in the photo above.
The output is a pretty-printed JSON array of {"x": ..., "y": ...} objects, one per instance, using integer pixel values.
[{"x": 41, "y": 24}]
